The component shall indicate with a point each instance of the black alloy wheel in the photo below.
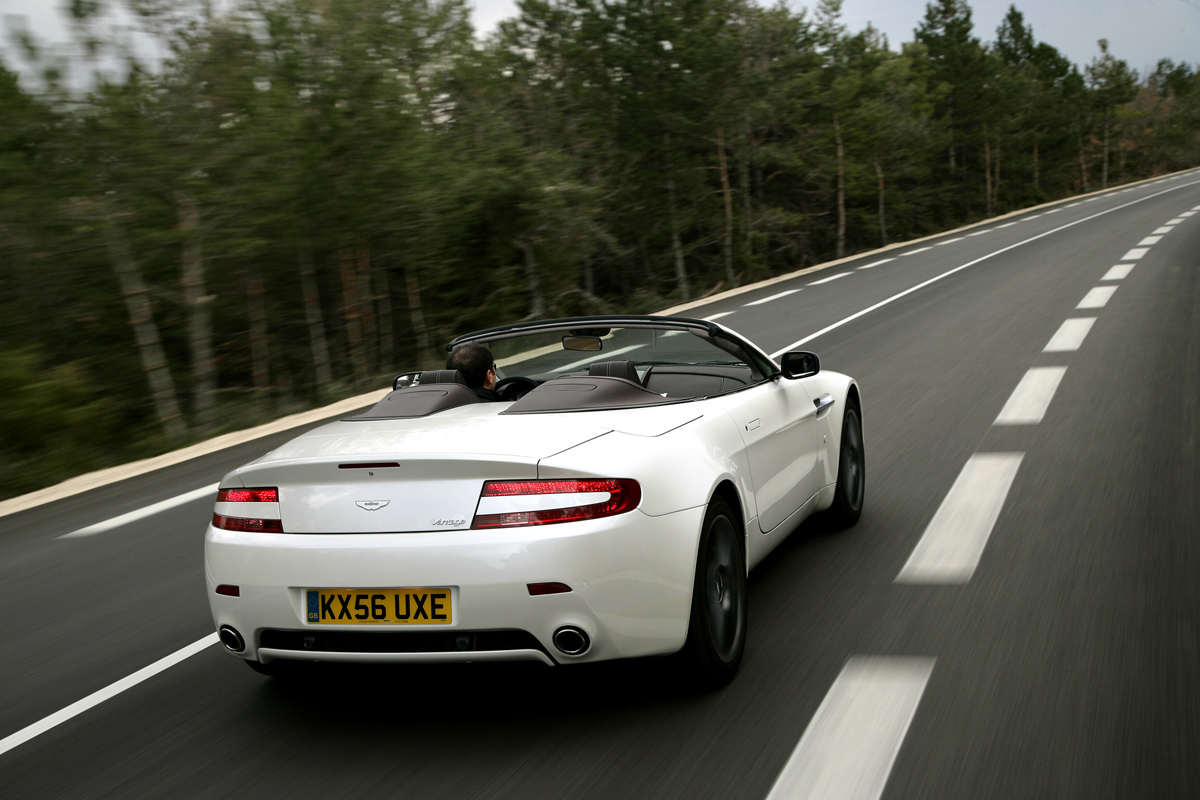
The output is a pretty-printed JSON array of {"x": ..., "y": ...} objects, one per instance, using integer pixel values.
[
  {"x": 717, "y": 629},
  {"x": 852, "y": 473}
]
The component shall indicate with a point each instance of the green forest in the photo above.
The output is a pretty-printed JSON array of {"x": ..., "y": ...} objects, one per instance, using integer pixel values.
[{"x": 296, "y": 199}]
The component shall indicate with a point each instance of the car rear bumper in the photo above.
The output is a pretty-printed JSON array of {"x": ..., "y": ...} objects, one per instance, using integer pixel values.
[{"x": 630, "y": 577}]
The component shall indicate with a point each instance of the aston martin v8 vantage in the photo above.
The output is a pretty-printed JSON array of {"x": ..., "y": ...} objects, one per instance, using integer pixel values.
[{"x": 605, "y": 499}]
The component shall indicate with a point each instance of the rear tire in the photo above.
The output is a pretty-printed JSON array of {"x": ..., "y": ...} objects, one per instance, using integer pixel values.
[
  {"x": 852, "y": 474},
  {"x": 717, "y": 626}
]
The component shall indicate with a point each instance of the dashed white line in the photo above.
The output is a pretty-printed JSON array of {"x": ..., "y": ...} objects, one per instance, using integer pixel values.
[
  {"x": 876, "y": 263},
  {"x": 1135, "y": 254},
  {"x": 1175, "y": 221},
  {"x": 142, "y": 513},
  {"x": 1072, "y": 205},
  {"x": 1028, "y": 403},
  {"x": 1165, "y": 229},
  {"x": 848, "y": 749},
  {"x": 715, "y": 317},
  {"x": 1188, "y": 214},
  {"x": 96, "y": 698},
  {"x": 953, "y": 543},
  {"x": 1097, "y": 297},
  {"x": 980, "y": 233},
  {"x": 1055, "y": 210},
  {"x": 918, "y": 250},
  {"x": 772, "y": 297},
  {"x": 602, "y": 356},
  {"x": 827, "y": 280},
  {"x": 950, "y": 241},
  {"x": 1118, "y": 273},
  {"x": 1006, "y": 225},
  {"x": 1070, "y": 335},
  {"x": 1150, "y": 240}
]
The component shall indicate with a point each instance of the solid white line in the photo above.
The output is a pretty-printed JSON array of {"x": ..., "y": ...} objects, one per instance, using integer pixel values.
[
  {"x": 961, "y": 267},
  {"x": 142, "y": 513},
  {"x": 769, "y": 299},
  {"x": 1118, "y": 273},
  {"x": 830, "y": 278},
  {"x": 1149, "y": 240},
  {"x": 715, "y": 317},
  {"x": 1097, "y": 297},
  {"x": 1165, "y": 229},
  {"x": 848, "y": 749},
  {"x": 950, "y": 241},
  {"x": 1070, "y": 335},
  {"x": 1135, "y": 254},
  {"x": 953, "y": 543},
  {"x": 876, "y": 263},
  {"x": 1029, "y": 401},
  {"x": 107, "y": 693},
  {"x": 918, "y": 250}
]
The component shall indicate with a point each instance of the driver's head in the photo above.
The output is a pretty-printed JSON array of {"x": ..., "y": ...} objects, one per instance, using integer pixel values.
[{"x": 476, "y": 364}]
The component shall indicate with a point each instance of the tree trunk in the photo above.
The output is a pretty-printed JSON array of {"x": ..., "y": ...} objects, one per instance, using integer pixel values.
[
  {"x": 883, "y": 240},
  {"x": 1036, "y": 178},
  {"x": 366, "y": 305},
  {"x": 841, "y": 189},
  {"x": 352, "y": 315},
  {"x": 996, "y": 181},
  {"x": 987, "y": 175},
  {"x": 537, "y": 304},
  {"x": 387, "y": 327},
  {"x": 681, "y": 278},
  {"x": 416, "y": 314},
  {"x": 589, "y": 278},
  {"x": 313, "y": 317},
  {"x": 1104, "y": 167},
  {"x": 260, "y": 357},
  {"x": 727, "y": 238},
  {"x": 744, "y": 179},
  {"x": 1082, "y": 165},
  {"x": 141, "y": 317},
  {"x": 199, "y": 312}
]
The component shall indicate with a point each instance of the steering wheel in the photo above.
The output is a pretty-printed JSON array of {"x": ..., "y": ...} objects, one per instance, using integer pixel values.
[{"x": 514, "y": 387}]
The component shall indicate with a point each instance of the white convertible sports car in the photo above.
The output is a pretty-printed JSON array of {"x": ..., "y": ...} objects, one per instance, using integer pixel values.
[{"x": 609, "y": 505}]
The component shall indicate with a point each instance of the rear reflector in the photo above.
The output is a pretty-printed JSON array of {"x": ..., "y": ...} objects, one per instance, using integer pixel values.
[
  {"x": 536, "y": 589},
  {"x": 248, "y": 496},
  {"x": 249, "y": 525},
  {"x": 229, "y": 590},
  {"x": 623, "y": 495}
]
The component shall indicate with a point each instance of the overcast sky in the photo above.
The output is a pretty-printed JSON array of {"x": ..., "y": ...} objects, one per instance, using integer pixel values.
[{"x": 1139, "y": 31}]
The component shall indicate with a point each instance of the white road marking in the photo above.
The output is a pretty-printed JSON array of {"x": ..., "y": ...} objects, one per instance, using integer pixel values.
[
  {"x": 1091, "y": 200},
  {"x": 1197, "y": 208},
  {"x": 769, "y": 299},
  {"x": 1072, "y": 205},
  {"x": 1135, "y": 254},
  {"x": 845, "y": 320},
  {"x": 830, "y": 278},
  {"x": 1070, "y": 335},
  {"x": 1118, "y": 273},
  {"x": 953, "y": 543},
  {"x": 1006, "y": 225},
  {"x": 950, "y": 241},
  {"x": 716, "y": 317},
  {"x": 1165, "y": 229},
  {"x": 1175, "y": 221},
  {"x": 602, "y": 356},
  {"x": 96, "y": 698},
  {"x": 1054, "y": 210},
  {"x": 876, "y": 263},
  {"x": 1029, "y": 401},
  {"x": 848, "y": 749},
  {"x": 980, "y": 233},
  {"x": 142, "y": 513},
  {"x": 918, "y": 250},
  {"x": 1149, "y": 240},
  {"x": 1097, "y": 297},
  {"x": 1188, "y": 214}
]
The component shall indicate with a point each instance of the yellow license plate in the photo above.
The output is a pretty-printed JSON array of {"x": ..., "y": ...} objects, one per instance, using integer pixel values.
[{"x": 412, "y": 606}]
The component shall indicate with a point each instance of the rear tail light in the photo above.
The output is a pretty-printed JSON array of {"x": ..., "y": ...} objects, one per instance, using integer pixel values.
[
  {"x": 507, "y": 504},
  {"x": 253, "y": 521}
]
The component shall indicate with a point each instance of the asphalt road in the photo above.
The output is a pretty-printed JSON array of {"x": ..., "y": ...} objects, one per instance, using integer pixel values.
[{"x": 1064, "y": 662}]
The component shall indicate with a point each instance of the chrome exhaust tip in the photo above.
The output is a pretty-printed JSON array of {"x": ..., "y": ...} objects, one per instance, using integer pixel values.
[
  {"x": 232, "y": 640},
  {"x": 571, "y": 640}
]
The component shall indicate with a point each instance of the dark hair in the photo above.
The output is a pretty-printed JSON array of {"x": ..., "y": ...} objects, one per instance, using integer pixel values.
[{"x": 473, "y": 361}]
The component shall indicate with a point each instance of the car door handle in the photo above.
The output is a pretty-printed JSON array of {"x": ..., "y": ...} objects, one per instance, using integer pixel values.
[
  {"x": 823, "y": 402},
  {"x": 754, "y": 424}
]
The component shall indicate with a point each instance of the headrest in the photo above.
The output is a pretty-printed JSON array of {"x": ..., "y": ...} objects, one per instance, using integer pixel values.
[
  {"x": 615, "y": 369},
  {"x": 441, "y": 376}
]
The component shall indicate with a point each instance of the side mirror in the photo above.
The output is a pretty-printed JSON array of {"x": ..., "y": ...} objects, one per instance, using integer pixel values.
[
  {"x": 800, "y": 364},
  {"x": 405, "y": 380}
]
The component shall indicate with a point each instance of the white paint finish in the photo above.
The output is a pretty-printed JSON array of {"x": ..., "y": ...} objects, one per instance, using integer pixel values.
[
  {"x": 1149, "y": 240},
  {"x": 1070, "y": 335},
  {"x": 142, "y": 513},
  {"x": 769, "y": 299},
  {"x": 1135, "y": 254},
  {"x": 1164, "y": 229},
  {"x": 849, "y": 747},
  {"x": 1097, "y": 297},
  {"x": 950, "y": 241},
  {"x": 918, "y": 250},
  {"x": 715, "y": 317},
  {"x": 107, "y": 693},
  {"x": 876, "y": 263},
  {"x": 953, "y": 542},
  {"x": 1118, "y": 273},
  {"x": 829, "y": 279},
  {"x": 1029, "y": 401}
]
